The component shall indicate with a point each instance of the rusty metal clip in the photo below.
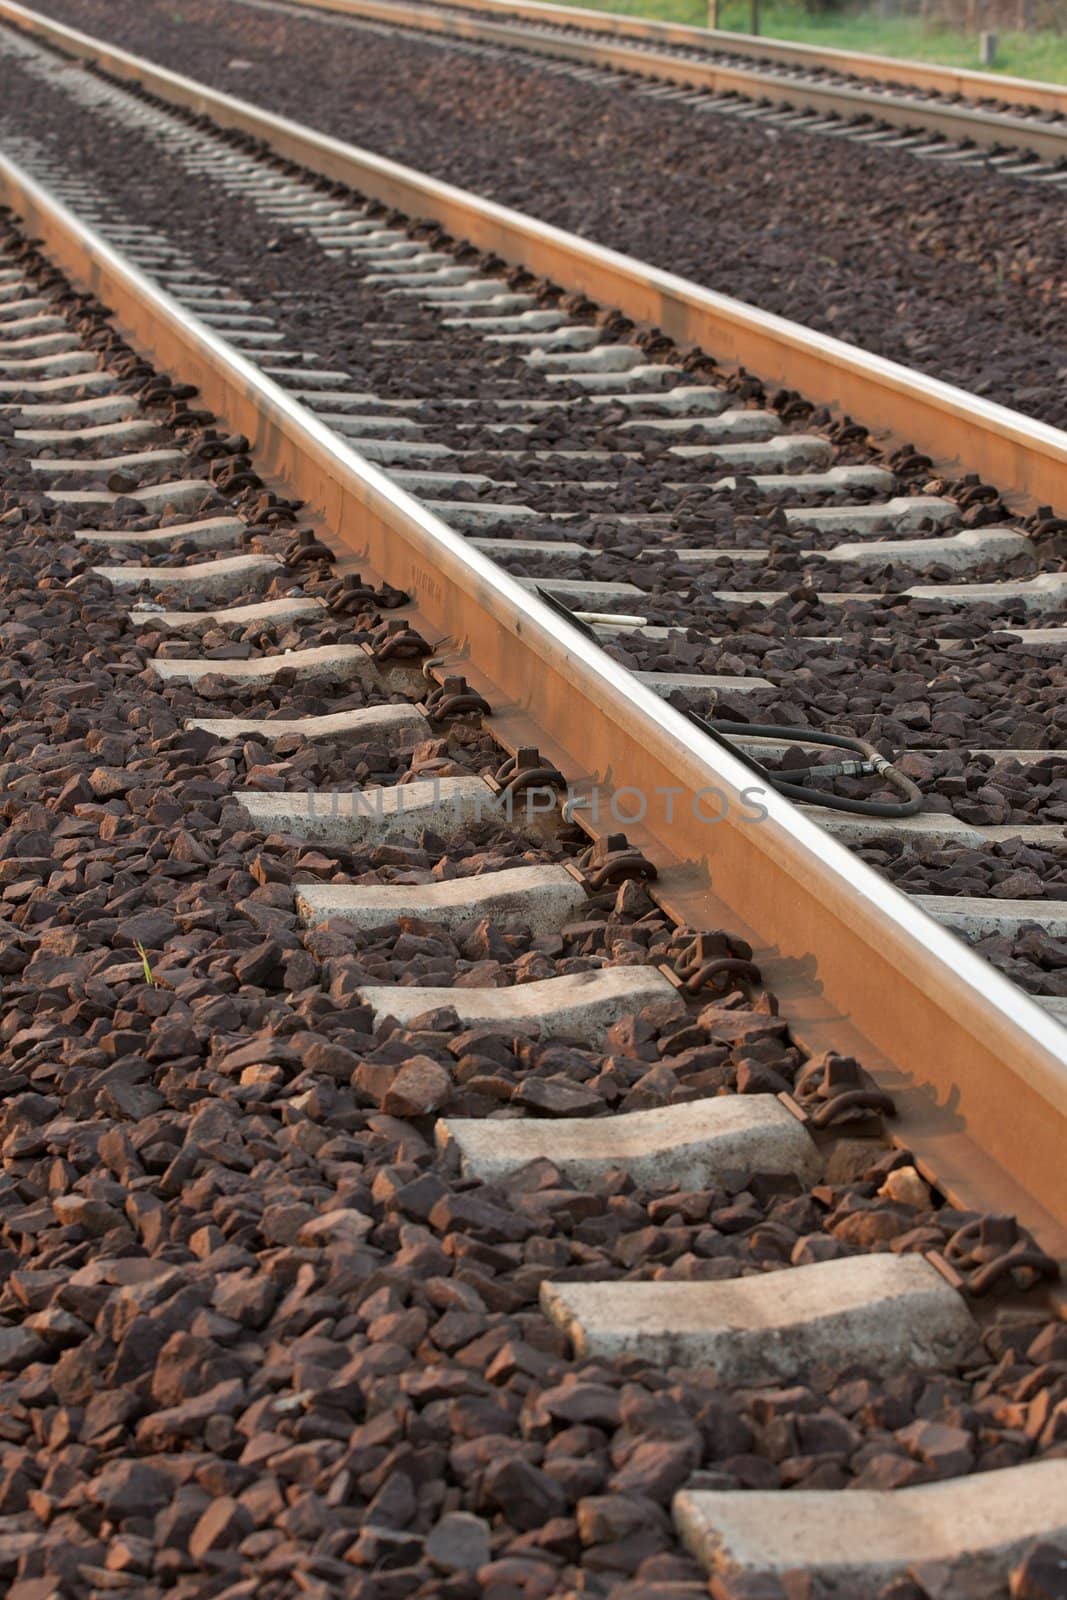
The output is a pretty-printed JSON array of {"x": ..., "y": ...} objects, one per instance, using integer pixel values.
[
  {"x": 984, "y": 1252},
  {"x": 611, "y": 861},
  {"x": 219, "y": 449},
  {"x": 976, "y": 494},
  {"x": 180, "y": 416},
  {"x": 390, "y": 598},
  {"x": 708, "y": 975},
  {"x": 454, "y": 698},
  {"x": 306, "y": 548},
  {"x": 350, "y": 595},
  {"x": 714, "y": 956},
  {"x": 231, "y": 474},
  {"x": 525, "y": 770},
  {"x": 843, "y": 1090},
  {"x": 844, "y": 1107},
  {"x": 157, "y": 388},
  {"x": 396, "y": 641}
]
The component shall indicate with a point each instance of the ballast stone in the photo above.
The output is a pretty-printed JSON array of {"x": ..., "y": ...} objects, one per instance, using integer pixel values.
[
  {"x": 858, "y": 1542},
  {"x": 888, "y": 1311},
  {"x": 688, "y": 1145}
]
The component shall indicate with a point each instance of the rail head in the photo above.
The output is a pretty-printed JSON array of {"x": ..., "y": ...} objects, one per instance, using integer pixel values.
[
  {"x": 980, "y": 1071},
  {"x": 1025, "y": 458}
]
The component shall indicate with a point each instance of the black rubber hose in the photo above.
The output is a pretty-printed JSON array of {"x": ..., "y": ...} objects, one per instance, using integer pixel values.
[{"x": 725, "y": 732}]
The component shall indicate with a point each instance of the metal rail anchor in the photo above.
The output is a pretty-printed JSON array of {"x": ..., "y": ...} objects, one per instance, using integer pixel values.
[
  {"x": 716, "y": 961},
  {"x": 350, "y": 595},
  {"x": 834, "y": 1089},
  {"x": 454, "y": 698},
  {"x": 986, "y": 1251},
  {"x": 607, "y": 864},
  {"x": 522, "y": 778}
]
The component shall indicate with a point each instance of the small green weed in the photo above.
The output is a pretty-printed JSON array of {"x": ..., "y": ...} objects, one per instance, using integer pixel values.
[{"x": 149, "y": 976}]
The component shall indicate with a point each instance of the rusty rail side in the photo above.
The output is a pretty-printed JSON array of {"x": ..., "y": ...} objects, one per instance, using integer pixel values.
[
  {"x": 978, "y": 1069},
  {"x": 1025, "y": 458},
  {"x": 983, "y": 126}
]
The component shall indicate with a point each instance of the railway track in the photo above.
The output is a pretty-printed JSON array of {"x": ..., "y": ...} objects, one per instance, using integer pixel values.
[
  {"x": 349, "y": 943},
  {"x": 937, "y": 114}
]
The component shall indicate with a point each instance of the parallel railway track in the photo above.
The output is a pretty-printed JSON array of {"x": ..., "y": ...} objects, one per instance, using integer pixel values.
[
  {"x": 917, "y": 75},
  {"x": 938, "y": 113},
  {"x": 406, "y": 495}
]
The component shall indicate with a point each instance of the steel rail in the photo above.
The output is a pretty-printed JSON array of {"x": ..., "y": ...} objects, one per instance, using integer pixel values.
[
  {"x": 1025, "y": 458},
  {"x": 979, "y": 1071},
  {"x": 975, "y": 85},
  {"x": 978, "y": 124}
]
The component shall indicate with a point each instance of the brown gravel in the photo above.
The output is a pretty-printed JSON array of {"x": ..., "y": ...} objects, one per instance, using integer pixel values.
[
  {"x": 895, "y": 688},
  {"x": 255, "y": 1339},
  {"x": 958, "y": 273}
]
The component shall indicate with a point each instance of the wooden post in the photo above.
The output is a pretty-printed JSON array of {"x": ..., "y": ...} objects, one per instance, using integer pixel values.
[
  {"x": 754, "y": 24},
  {"x": 713, "y": 13}
]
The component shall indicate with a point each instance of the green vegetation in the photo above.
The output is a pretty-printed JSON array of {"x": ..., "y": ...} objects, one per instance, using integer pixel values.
[
  {"x": 149, "y": 976},
  {"x": 1020, "y": 55}
]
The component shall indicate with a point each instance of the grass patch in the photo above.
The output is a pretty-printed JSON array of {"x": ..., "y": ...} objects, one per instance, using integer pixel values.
[
  {"x": 146, "y": 965},
  {"x": 1019, "y": 55}
]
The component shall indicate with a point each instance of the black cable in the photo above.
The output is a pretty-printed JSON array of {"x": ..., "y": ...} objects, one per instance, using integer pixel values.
[{"x": 874, "y": 764}]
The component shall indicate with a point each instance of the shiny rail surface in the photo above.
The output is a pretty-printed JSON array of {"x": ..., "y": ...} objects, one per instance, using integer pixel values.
[
  {"x": 1026, "y": 459},
  {"x": 977, "y": 1069},
  {"x": 950, "y": 103}
]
